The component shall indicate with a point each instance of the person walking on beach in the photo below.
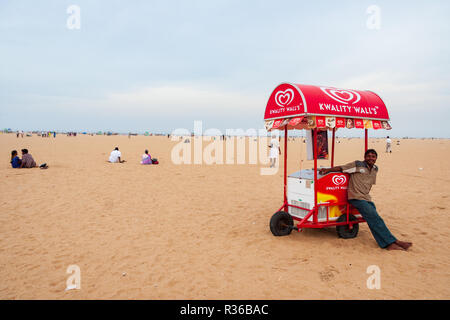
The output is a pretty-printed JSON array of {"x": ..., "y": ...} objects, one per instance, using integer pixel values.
[
  {"x": 274, "y": 151},
  {"x": 115, "y": 156},
  {"x": 388, "y": 145},
  {"x": 363, "y": 175}
]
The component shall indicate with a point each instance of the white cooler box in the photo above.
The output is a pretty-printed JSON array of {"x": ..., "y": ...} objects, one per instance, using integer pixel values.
[{"x": 300, "y": 192}]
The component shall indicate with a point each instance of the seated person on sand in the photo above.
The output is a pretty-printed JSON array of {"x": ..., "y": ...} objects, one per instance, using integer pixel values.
[
  {"x": 28, "y": 161},
  {"x": 115, "y": 156},
  {"x": 15, "y": 160},
  {"x": 363, "y": 175},
  {"x": 146, "y": 158}
]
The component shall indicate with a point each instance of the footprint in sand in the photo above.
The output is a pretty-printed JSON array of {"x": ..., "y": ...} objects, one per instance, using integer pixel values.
[
  {"x": 328, "y": 274},
  {"x": 429, "y": 266},
  {"x": 440, "y": 208}
]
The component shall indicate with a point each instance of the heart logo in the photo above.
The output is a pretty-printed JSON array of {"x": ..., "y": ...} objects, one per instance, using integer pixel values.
[
  {"x": 284, "y": 98},
  {"x": 342, "y": 96},
  {"x": 339, "y": 179}
]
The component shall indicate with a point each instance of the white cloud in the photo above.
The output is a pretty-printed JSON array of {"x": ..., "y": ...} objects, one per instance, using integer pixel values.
[
  {"x": 403, "y": 92},
  {"x": 163, "y": 101},
  {"x": 183, "y": 100}
]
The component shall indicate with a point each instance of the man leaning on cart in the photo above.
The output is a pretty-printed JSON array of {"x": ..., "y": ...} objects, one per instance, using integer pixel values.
[{"x": 362, "y": 176}]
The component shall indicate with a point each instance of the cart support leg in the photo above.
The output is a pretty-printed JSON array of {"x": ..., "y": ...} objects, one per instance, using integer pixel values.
[
  {"x": 315, "y": 176},
  {"x": 285, "y": 168},
  {"x": 366, "y": 140},
  {"x": 332, "y": 148}
]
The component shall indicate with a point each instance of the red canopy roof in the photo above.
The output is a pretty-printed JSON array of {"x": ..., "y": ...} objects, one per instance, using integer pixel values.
[{"x": 293, "y": 100}]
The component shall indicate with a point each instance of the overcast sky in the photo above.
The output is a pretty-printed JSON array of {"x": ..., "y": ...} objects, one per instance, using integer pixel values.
[{"x": 159, "y": 65}]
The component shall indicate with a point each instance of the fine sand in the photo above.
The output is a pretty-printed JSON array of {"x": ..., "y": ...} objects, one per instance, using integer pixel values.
[{"x": 202, "y": 231}]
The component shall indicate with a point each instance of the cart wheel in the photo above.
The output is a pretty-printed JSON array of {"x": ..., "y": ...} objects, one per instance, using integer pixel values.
[
  {"x": 345, "y": 231},
  {"x": 281, "y": 223}
]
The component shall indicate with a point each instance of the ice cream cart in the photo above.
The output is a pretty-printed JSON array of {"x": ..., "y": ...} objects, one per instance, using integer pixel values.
[{"x": 313, "y": 200}]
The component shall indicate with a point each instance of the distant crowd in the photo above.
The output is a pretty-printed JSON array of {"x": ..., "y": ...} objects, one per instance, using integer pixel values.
[
  {"x": 43, "y": 134},
  {"x": 27, "y": 160}
]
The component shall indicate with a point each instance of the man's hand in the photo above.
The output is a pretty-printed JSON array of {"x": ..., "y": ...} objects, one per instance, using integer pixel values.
[{"x": 323, "y": 171}]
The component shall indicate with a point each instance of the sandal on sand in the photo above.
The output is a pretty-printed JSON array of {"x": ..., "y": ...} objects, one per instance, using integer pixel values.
[{"x": 43, "y": 166}]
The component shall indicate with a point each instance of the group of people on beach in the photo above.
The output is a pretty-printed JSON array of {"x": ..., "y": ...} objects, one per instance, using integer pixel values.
[
  {"x": 43, "y": 134},
  {"x": 27, "y": 160},
  {"x": 115, "y": 157},
  {"x": 47, "y": 134}
]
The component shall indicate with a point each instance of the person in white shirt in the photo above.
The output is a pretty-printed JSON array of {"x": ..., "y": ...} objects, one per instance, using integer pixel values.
[
  {"x": 388, "y": 145},
  {"x": 274, "y": 151},
  {"x": 115, "y": 156}
]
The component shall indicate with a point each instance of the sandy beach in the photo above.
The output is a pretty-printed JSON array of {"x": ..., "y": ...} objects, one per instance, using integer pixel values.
[{"x": 202, "y": 231}]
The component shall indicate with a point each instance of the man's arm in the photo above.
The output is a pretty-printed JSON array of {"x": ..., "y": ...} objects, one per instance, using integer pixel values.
[
  {"x": 22, "y": 163},
  {"x": 334, "y": 169},
  {"x": 348, "y": 168}
]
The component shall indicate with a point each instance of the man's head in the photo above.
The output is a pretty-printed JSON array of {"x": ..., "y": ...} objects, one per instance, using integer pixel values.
[
  {"x": 146, "y": 151},
  {"x": 24, "y": 151},
  {"x": 116, "y": 148},
  {"x": 370, "y": 156}
]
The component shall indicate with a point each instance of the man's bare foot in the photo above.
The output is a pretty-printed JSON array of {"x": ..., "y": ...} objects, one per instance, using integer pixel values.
[
  {"x": 394, "y": 246},
  {"x": 405, "y": 245}
]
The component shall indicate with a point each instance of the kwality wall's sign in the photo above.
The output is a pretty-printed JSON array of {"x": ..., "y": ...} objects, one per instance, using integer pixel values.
[{"x": 289, "y": 100}]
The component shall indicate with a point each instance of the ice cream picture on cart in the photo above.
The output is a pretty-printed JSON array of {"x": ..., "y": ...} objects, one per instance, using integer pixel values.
[{"x": 337, "y": 196}]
